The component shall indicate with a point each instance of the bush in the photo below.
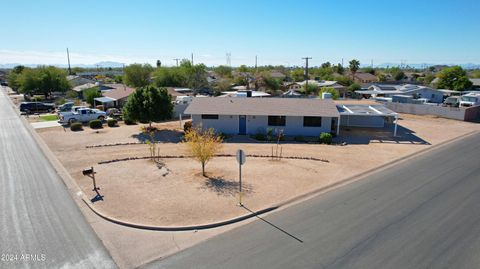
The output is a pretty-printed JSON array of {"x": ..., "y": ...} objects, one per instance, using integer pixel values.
[
  {"x": 128, "y": 121},
  {"x": 299, "y": 138},
  {"x": 187, "y": 126},
  {"x": 76, "y": 126},
  {"x": 95, "y": 124},
  {"x": 326, "y": 138},
  {"x": 260, "y": 137},
  {"x": 112, "y": 122}
]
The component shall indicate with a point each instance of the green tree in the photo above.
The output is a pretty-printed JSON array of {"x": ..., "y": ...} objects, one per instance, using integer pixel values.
[
  {"x": 224, "y": 71},
  {"x": 476, "y": 74},
  {"x": 271, "y": 84},
  {"x": 382, "y": 77},
  {"x": 310, "y": 89},
  {"x": 354, "y": 87},
  {"x": 297, "y": 75},
  {"x": 90, "y": 94},
  {"x": 242, "y": 68},
  {"x": 339, "y": 69},
  {"x": 169, "y": 77},
  {"x": 13, "y": 77},
  {"x": 399, "y": 75},
  {"x": 369, "y": 70},
  {"x": 44, "y": 80},
  {"x": 137, "y": 75},
  {"x": 326, "y": 65},
  {"x": 354, "y": 65},
  {"x": 344, "y": 80},
  {"x": 453, "y": 78},
  {"x": 196, "y": 75},
  {"x": 428, "y": 79},
  {"x": 330, "y": 90},
  {"x": 149, "y": 104}
]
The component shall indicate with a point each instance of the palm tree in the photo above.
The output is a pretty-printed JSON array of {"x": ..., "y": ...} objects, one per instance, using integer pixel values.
[{"x": 354, "y": 65}]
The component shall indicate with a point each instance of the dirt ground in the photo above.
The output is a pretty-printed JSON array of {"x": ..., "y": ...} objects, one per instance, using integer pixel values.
[{"x": 141, "y": 192}]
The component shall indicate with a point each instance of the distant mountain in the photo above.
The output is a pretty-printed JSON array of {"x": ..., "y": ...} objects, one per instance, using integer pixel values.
[{"x": 99, "y": 64}]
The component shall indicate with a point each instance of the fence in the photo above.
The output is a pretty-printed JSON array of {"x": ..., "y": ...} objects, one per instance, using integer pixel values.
[{"x": 466, "y": 114}]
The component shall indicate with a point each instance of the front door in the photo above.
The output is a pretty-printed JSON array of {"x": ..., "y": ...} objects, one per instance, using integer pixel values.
[{"x": 242, "y": 125}]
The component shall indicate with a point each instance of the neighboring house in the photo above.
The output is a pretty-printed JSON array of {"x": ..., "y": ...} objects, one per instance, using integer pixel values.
[
  {"x": 244, "y": 93},
  {"x": 292, "y": 116},
  {"x": 342, "y": 90},
  {"x": 475, "y": 84},
  {"x": 364, "y": 78},
  {"x": 277, "y": 75},
  {"x": 417, "y": 92},
  {"x": 118, "y": 94},
  {"x": 78, "y": 80}
]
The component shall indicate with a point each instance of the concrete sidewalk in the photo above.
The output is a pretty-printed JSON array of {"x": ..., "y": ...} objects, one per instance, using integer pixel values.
[{"x": 45, "y": 124}]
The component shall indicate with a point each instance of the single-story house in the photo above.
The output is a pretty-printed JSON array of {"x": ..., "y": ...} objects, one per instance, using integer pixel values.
[
  {"x": 294, "y": 116},
  {"x": 116, "y": 97},
  {"x": 78, "y": 80},
  {"x": 388, "y": 91},
  {"x": 363, "y": 78}
]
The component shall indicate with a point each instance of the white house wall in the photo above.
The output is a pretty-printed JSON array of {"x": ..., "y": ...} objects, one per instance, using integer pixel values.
[
  {"x": 362, "y": 121},
  {"x": 259, "y": 124}
]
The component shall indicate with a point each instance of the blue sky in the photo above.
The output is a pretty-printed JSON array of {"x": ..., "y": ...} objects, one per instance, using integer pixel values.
[{"x": 279, "y": 32}]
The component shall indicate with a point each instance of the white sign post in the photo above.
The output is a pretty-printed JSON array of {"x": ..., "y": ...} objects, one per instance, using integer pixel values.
[{"x": 241, "y": 161}]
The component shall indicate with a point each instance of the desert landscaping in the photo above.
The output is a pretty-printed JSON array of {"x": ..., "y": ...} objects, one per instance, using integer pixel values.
[{"x": 174, "y": 192}]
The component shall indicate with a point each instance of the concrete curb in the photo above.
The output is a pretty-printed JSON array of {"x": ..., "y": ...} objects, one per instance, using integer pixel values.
[{"x": 174, "y": 228}]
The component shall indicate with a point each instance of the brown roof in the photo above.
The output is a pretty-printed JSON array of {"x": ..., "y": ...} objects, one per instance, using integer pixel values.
[
  {"x": 119, "y": 91},
  {"x": 365, "y": 76},
  {"x": 263, "y": 106}
]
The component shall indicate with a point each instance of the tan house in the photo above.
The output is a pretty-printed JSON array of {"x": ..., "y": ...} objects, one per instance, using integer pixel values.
[{"x": 364, "y": 78}]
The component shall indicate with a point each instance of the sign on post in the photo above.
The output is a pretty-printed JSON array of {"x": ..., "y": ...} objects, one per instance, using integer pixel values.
[{"x": 241, "y": 160}]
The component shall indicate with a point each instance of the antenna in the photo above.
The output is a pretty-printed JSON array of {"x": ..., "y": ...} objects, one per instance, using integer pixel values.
[
  {"x": 229, "y": 59},
  {"x": 306, "y": 71},
  {"x": 69, "y": 68},
  {"x": 176, "y": 59}
]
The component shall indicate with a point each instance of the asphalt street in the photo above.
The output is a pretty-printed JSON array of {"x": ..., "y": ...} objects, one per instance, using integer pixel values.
[
  {"x": 421, "y": 213},
  {"x": 40, "y": 224}
]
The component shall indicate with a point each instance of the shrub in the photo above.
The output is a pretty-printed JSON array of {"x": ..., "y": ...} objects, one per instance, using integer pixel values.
[
  {"x": 187, "y": 126},
  {"x": 260, "y": 137},
  {"x": 128, "y": 121},
  {"x": 326, "y": 138},
  {"x": 112, "y": 122},
  {"x": 299, "y": 138},
  {"x": 95, "y": 124},
  {"x": 76, "y": 126}
]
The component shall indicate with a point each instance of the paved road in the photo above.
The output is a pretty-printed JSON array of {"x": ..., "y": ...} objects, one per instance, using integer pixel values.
[
  {"x": 424, "y": 213},
  {"x": 37, "y": 215}
]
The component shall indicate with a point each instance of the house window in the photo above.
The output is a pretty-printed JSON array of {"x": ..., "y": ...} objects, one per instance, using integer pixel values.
[
  {"x": 209, "y": 117},
  {"x": 312, "y": 121},
  {"x": 276, "y": 120}
]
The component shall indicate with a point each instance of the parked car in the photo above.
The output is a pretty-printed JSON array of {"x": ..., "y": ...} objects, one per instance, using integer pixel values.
[
  {"x": 36, "y": 107},
  {"x": 470, "y": 99},
  {"x": 66, "y": 107},
  {"x": 83, "y": 115},
  {"x": 452, "y": 101},
  {"x": 72, "y": 110}
]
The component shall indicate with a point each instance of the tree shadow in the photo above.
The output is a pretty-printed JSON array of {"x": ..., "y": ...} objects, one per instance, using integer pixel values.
[
  {"x": 225, "y": 187},
  {"x": 165, "y": 135}
]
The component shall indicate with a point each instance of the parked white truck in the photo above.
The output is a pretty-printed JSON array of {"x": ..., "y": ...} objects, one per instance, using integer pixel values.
[
  {"x": 470, "y": 99},
  {"x": 82, "y": 115}
]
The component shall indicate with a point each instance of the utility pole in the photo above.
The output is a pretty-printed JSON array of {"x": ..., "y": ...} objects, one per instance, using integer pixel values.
[
  {"x": 306, "y": 71},
  {"x": 192, "y": 58},
  {"x": 69, "y": 68},
  {"x": 176, "y": 59},
  {"x": 342, "y": 62}
]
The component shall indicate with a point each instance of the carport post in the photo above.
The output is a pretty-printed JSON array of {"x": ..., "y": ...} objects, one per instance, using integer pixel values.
[
  {"x": 338, "y": 126},
  {"x": 395, "y": 130}
]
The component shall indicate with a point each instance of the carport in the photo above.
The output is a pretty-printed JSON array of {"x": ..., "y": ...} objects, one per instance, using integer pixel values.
[{"x": 371, "y": 116}]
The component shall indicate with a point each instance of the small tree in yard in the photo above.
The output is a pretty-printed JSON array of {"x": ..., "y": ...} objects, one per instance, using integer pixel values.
[
  {"x": 203, "y": 145},
  {"x": 149, "y": 104}
]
